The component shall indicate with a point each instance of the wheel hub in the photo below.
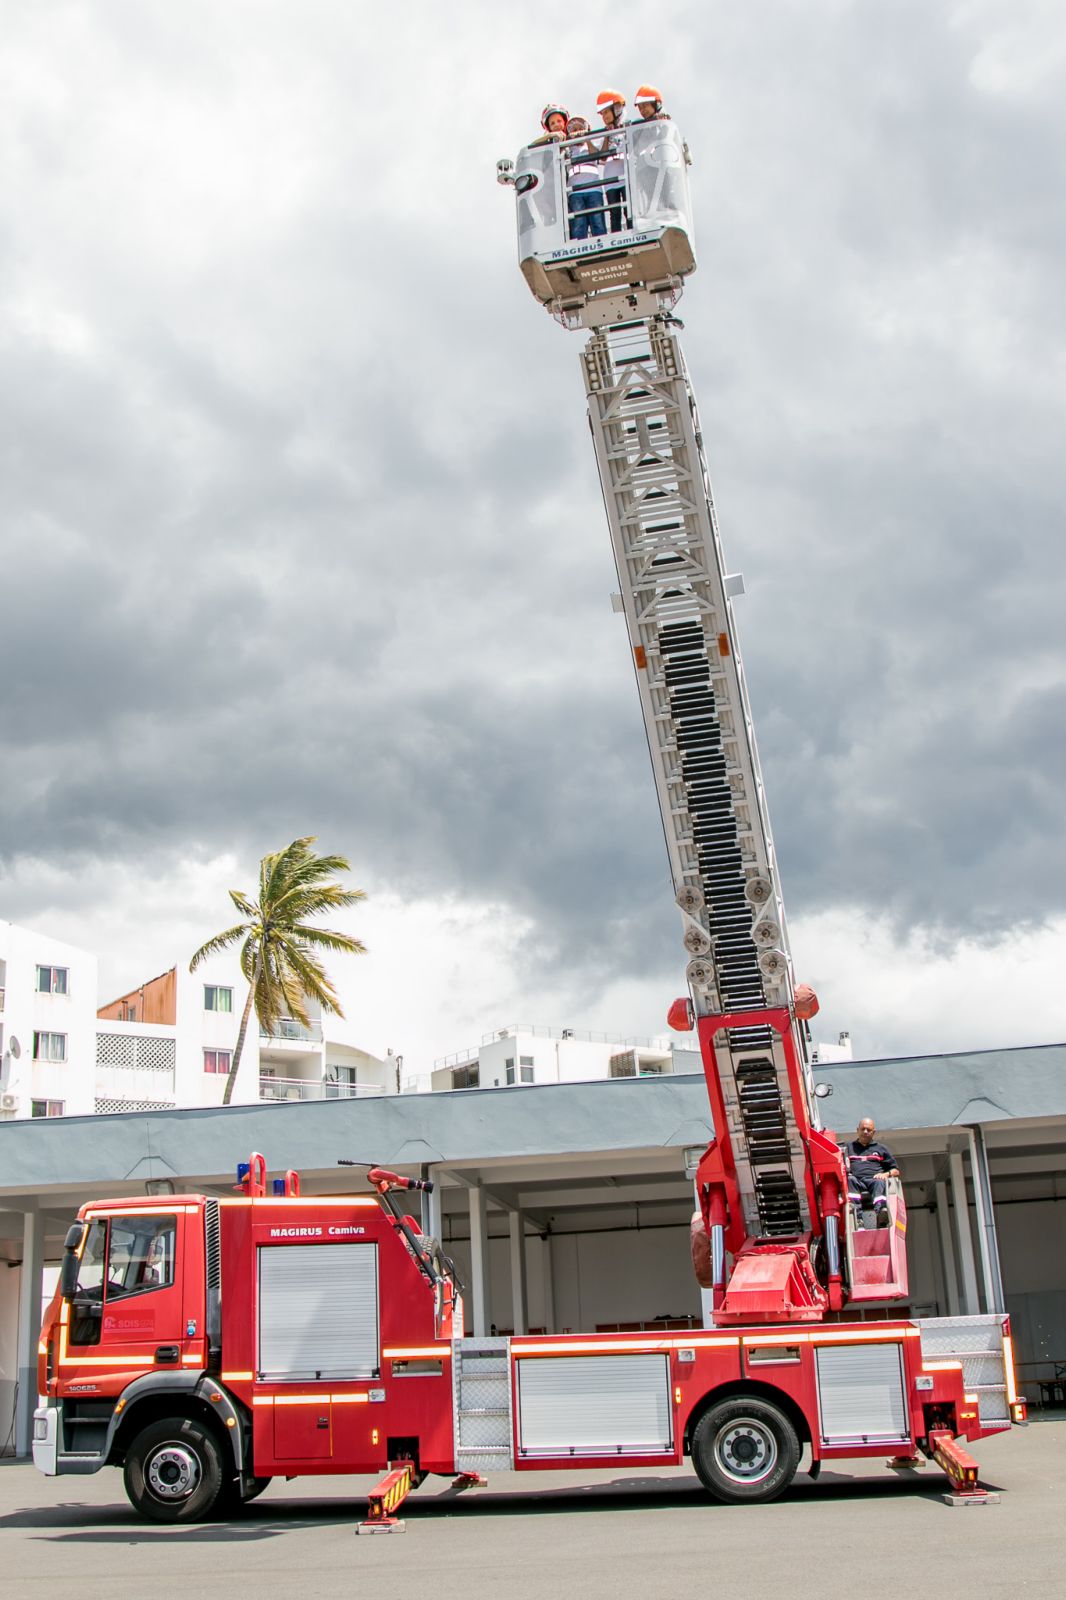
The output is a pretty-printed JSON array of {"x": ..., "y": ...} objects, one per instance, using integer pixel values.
[
  {"x": 746, "y": 1449},
  {"x": 173, "y": 1472}
]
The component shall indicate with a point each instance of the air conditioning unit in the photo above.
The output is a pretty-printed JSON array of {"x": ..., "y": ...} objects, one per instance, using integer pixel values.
[{"x": 9, "y": 1102}]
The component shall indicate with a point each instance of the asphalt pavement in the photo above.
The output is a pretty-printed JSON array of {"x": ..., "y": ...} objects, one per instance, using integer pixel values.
[{"x": 643, "y": 1535}]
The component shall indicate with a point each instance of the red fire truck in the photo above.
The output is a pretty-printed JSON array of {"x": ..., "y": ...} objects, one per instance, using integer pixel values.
[{"x": 207, "y": 1344}]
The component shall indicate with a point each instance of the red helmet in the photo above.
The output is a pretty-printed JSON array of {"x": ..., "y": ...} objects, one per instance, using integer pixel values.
[
  {"x": 610, "y": 97},
  {"x": 647, "y": 94},
  {"x": 553, "y": 111}
]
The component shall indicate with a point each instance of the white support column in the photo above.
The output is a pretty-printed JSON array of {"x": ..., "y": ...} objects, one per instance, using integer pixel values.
[
  {"x": 29, "y": 1327},
  {"x": 971, "y": 1305},
  {"x": 547, "y": 1273},
  {"x": 947, "y": 1249},
  {"x": 988, "y": 1249},
  {"x": 520, "y": 1315},
  {"x": 479, "y": 1260},
  {"x": 431, "y": 1207}
]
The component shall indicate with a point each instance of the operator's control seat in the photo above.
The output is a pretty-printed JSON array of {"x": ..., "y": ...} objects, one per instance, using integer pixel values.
[{"x": 877, "y": 1257}]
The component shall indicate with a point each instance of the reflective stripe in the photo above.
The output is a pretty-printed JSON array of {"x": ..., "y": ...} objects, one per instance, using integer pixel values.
[
  {"x": 108, "y": 1361},
  {"x": 115, "y": 1210},
  {"x": 236, "y": 1377},
  {"x": 310, "y": 1399},
  {"x": 303, "y": 1202},
  {"x": 650, "y": 1345},
  {"x": 404, "y": 1352},
  {"x": 1008, "y": 1367},
  {"x": 941, "y": 1366}
]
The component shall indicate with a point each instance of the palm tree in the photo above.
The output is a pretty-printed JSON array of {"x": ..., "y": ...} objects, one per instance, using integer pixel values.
[{"x": 278, "y": 949}]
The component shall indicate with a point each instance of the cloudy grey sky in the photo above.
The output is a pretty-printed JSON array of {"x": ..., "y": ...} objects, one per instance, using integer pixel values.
[{"x": 302, "y": 531}]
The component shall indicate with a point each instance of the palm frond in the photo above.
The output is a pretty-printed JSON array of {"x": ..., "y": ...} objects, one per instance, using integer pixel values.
[
  {"x": 221, "y": 941},
  {"x": 330, "y": 939},
  {"x": 311, "y": 976},
  {"x": 245, "y": 906}
]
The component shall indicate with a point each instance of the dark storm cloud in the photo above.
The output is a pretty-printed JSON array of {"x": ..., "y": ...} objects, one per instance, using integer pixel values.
[{"x": 303, "y": 532}]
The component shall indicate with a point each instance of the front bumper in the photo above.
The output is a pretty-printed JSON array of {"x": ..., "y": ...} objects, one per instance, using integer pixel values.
[{"x": 46, "y": 1439}]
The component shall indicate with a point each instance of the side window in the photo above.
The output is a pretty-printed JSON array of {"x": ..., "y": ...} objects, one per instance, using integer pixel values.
[
  {"x": 87, "y": 1303},
  {"x": 141, "y": 1255}
]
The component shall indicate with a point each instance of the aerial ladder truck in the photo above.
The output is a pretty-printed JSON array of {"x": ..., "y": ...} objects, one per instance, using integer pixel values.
[{"x": 206, "y": 1343}]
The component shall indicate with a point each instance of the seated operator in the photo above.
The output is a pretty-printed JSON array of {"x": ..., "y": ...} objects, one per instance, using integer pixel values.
[{"x": 869, "y": 1164}]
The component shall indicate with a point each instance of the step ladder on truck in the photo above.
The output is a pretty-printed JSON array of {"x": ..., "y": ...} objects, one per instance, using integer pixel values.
[{"x": 205, "y": 1344}]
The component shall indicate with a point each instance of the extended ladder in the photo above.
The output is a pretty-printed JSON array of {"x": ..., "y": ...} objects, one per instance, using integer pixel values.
[{"x": 675, "y": 595}]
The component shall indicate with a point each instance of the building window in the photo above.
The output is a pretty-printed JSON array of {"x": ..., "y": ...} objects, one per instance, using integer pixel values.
[
  {"x": 52, "y": 980},
  {"x": 508, "y": 1068},
  {"x": 468, "y": 1077},
  {"x": 653, "y": 1069},
  {"x": 46, "y": 1108},
  {"x": 525, "y": 1069},
  {"x": 217, "y": 1061},
  {"x": 216, "y": 999},
  {"x": 49, "y": 1046}
]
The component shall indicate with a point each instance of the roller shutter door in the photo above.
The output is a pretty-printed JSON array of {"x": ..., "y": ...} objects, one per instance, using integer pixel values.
[
  {"x": 860, "y": 1393},
  {"x": 318, "y": 1311},
  {"x": 594, "y": 1404}
]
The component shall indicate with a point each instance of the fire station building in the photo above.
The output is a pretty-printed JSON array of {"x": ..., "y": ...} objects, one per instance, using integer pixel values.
[{"x": 566, "y": 1206}]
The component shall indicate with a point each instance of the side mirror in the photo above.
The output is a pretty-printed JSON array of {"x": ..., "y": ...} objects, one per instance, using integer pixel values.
[{"x": 68, "y": 1271}]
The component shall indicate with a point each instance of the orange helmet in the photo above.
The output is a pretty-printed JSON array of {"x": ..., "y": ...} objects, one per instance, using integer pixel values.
[
  {"x": 553, "y": 111},
  {"x": 610, "y": 97},
  {"x": 647, "y": 93}
]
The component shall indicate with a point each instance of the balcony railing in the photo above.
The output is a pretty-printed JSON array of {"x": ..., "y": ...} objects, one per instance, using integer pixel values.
[
  {"x": 289, "y": 1029},
  {"x": 315, "y": 1089}
]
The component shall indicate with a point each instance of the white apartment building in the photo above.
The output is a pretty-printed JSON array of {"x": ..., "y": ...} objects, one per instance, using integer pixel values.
[
  {"x": 201, "y": 1013},
  {"x": 526, "y": 1053},
  {"x": 47, "y": 1025},
  {"x": 169, "y": 1042}
]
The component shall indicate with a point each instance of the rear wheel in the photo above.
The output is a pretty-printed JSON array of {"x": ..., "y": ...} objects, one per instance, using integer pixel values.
[
  {"x": 173, "y": 1471},
  {"x": 745, "y": 1451}
]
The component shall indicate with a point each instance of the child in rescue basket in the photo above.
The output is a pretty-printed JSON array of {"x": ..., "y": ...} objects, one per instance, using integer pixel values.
[
  {"x": 584, "y": 184},
  {"x": 611, "y": 106},
  {"x": 553, "y": 120}
]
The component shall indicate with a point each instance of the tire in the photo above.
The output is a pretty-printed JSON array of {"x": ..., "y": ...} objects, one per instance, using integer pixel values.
[
  {"x": 745, "y": 1451},
  {"x": 173, "y": 1471}
]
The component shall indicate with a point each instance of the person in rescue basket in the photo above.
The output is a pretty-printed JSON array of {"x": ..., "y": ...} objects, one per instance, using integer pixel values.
[
  {"x": 869, "y": 1164},
  {"x": 649, "y": 102},
  {"x": 553, "y": 120},
  {"x": 611, "y": 106},
  {"x": 584, "y": 183}
]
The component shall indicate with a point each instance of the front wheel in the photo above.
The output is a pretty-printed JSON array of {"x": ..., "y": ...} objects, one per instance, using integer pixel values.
[
  {"x": 173, "y": 1471},
  {"x": 745, "y": 1451}
]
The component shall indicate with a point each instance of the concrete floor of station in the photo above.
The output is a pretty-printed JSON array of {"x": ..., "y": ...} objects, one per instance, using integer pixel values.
[{"x": 526, "y": 1536}]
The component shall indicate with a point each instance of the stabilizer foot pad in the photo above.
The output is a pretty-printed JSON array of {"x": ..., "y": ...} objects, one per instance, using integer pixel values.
[
  {"x": 982, "y": 1499},
  {"x": 396, "y": 1526}
]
